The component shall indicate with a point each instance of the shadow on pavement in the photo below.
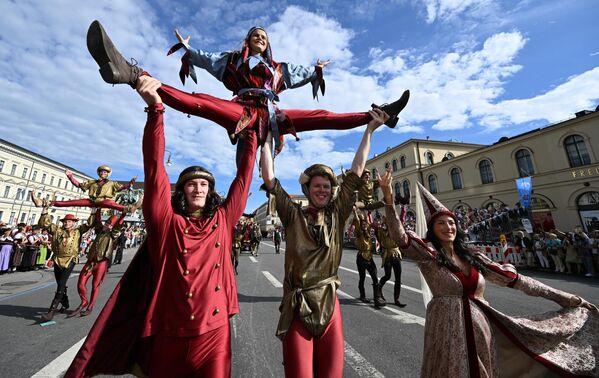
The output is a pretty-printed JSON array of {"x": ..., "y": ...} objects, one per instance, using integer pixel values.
[{"x": 24, "y": 312}]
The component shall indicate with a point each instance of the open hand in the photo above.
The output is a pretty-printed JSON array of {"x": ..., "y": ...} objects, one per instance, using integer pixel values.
[
  {"x": 184, "y": 41},
  {"x": 322, "y": 64}
]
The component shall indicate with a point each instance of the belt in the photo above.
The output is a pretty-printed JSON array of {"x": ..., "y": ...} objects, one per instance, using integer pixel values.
[{"x": 272, "y": 116}]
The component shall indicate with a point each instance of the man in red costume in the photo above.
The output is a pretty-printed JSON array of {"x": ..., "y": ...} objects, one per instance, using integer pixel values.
[{"x": 169, "y": 315}]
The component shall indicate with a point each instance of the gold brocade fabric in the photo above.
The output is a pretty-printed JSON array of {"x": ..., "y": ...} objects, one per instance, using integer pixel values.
[
  {"x": 99, "y": 193},
  {"x": 388, "y": 245},
  {"x": 101, "y": 248},
  {"x": 312, "y": 257},
  {"x": 363, "y": 242},
  {"x": 366, "y": 192},
  {"x": 65, "y": 244}
]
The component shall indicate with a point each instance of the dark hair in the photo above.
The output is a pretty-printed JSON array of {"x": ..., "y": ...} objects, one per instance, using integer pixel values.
[
  {"x": 213, "y": 200},
  {"x": 460, "y": 249}
]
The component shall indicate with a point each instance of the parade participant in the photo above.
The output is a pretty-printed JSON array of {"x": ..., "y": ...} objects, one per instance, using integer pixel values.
[
  {"x": 463, "y": 334},
  {"x": 276, "y": 239},
  {"x": 101, "y": 192},
  {"x": 310, "y": 324},
  {"x": 254, "y": 78},
  {"x": 237, "y": 238},
  {"x": 65, "y": 254},
  {"x": 364, "y": 260},
  {"x": 256, "y": 236},
  {"x": 120, "y": 245},
  {"x": 391, "y": 257},
  {"x": 169, "y": 315},
  {"x": 366, "y": 194},
  {"x": 99, "y": 256}
]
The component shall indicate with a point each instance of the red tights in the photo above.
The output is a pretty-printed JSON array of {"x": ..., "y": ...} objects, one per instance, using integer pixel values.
[
  {"x": 99, "y": 273},
  {"x": 306, "y": 356},
  {"x": 106, "y": 204}
]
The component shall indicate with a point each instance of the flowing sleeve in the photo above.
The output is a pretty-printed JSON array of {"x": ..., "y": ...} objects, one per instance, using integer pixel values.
[
  {"x": 296, "y": 76},
  {"x": 214, "y": 63},
  {"x": 411, "y": 245}
]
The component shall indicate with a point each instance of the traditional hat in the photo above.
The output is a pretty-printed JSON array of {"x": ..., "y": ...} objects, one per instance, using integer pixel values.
[
  {"x": 70, "y": 217},
  {"x": 317, "y": 170},
  {"x": 104, "y": 168},
  {"x": 432, "y": 206},
  {"x": 194, "y": 172}
]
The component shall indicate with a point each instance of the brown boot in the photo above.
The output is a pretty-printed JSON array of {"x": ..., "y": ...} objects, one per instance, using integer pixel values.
[
  {"x": 379, "y": 301},
  {"x": 113, "y": 67},
  {"x": 53, "y": 306},
  {"x": 394, "y": 108},
  {"x": 38, "y": 202}
]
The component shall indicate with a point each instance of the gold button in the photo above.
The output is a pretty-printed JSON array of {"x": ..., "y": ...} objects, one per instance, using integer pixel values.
[
  {"x": 215, "y": 225},
  {"x": 217, "y": 266},
  {"x": 186, "y": 272},
  {"x": 191, "y": 317},
  {"x": 189, "y": 295},
  {"x": 187, "y": 232},
  {"x": 217, "y": 244},
  {"x": 216, "y": 311},
  {"x": 217, "y": 288},
  {"x": 184, "y": 251}
]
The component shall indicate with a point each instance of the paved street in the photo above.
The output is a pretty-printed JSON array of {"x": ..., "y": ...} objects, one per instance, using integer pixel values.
[{"x": 378, "y": 343}]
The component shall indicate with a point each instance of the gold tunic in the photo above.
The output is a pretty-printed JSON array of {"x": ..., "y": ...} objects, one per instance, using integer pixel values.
[
  {"x": 366, "y": 192},
  {"x": 363, "y": 242},
  {"x": 65, "y": 244},
  {"x": 100, "y": 193},
  {"x": 102, "y": 246},
  {"x": 312, "y": 257},
  {"x": 388, "y": 245}
]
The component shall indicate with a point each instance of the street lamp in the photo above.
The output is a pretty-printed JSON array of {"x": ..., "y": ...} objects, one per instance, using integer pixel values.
[{"x": 168, "y": 159}]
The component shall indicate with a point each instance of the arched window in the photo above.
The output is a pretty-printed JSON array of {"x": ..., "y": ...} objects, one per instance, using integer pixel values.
[
  {"x": 373, "y": 175},
  {"x": 486, "y": 173},
  {"x": 449, "y": 156},
  {"x": 406, "y": 189},
  {"x": 397, "y": 187},
  {"x": 402, "y": 162},
  {"x": 576, "y": 150},
  {"x": 387, "y": 166},
  {"x": 432, "y": 183},
  {"x": 394, "y": 165},
  {"x": 429, "y": 158},
  {"x": 524, "y": 163},
  {"x": 456, "y": 178}
]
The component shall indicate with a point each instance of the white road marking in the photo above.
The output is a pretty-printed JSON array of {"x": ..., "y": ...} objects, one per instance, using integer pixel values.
[
  {"x": 272, "y": 246},
  {"x": 253, "y": 259},
  {"x": 360, "y": 364},
  {"x": 388, "y": 282},
  {"x": 401, "y": 316},
  {"x": 60, "y": 364},
  {"x": 272, "y": 279},
  {"x": 234, "y": 325}
]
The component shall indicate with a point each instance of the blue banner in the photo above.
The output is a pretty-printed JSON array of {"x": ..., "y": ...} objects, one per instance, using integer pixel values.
[{"x": 524, "y": 186}]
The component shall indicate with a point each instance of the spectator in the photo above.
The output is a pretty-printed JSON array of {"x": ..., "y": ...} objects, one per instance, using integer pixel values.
[
  {"x": 573, "y": 259},
  {"x": 554, "y": 246},
  {"x": 540, "y": 247},
  {"x": 6, "y": 248}
]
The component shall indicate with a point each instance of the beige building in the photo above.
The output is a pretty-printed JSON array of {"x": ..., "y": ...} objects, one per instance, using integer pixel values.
[
  {"x": 268, "y": 222},
  {"x": 562, "y": 159},
  {"x": 23, "y": 171}
]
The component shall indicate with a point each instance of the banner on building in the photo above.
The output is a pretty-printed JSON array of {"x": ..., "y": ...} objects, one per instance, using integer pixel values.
[{"x": 524, "y": 186}]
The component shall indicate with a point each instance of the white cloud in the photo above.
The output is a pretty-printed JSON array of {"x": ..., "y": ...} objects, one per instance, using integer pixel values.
[{"x": 448, "y": 9}]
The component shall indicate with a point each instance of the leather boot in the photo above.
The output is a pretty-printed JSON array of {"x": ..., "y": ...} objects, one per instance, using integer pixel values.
[
  {"x": 396, "y": 291},
  {"x": 363, "y": 295},
  {"x": 52, "y": 310},
  {"x": 393, "y": 109},
  {"x": 64, "y": 302},
  {"x": 113, "y": 67},
  {"x": 379, "y": 301}
]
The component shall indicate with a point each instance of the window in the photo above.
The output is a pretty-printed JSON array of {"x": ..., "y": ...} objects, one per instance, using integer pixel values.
[
  {"x": 12, "y": 217},
  {"x": 432, "y": 183},
  {"x": 576, "y": 150},
  {"x": 47, "y": 197},
  {"x": 402, "y": 162},
  {"x": 1, "y": 165},
  {"x": 397, "y": 187},
  {"x": 428, "y": 156},
  {"x": 6, "y": 191},
  {"x": 394, "y": 165},
  {"x": 524, "y": 163},
  {"x": 13, "y": 170},
  {"x": 24, "y": 174},
  {"x": 19, "y": 195},
  {"x": 32, "y": 219},
  {"x": 44, "y": 178},
  {"x": 59, "y": 182},
  {"x": 1, "y": 215},
  {"x": 456, "y": 178},
  {"x": 29, "y": 192},
  {"x": 373, "y": 175},
  {"x": 23, "y": 217},
  {"x": 34, "y": 175},
  {"x": 406, "y": 189},
  {"x": 449, "y": 156},
  {"x": 52, "y": 180},
  {"x": 66, "y": 182},
  {"x": 387, "y": 166},
  {"x": 486, "y": 173}
]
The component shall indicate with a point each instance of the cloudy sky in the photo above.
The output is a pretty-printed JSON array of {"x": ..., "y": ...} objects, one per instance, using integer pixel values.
[{"x": 477, "y": 70}]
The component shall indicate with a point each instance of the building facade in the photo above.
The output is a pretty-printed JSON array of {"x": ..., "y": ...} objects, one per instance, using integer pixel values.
[
  {"x": 23, "y": 172},
  {"x": 268, "y": 220},
  {"x": 562, "y": 159}
]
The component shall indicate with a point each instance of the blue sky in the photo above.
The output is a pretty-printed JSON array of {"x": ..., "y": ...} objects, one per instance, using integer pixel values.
[{"x": 477, "y": 70}]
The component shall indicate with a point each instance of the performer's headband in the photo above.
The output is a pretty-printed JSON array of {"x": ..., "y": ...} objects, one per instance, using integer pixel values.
[{"x": 193, "y": 175}]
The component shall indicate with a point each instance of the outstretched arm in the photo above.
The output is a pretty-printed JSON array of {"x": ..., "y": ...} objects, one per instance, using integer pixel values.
[
  {"x": 378, "y": 118},
  {"x": 72, "y": 178},
  {"x": 128, "y": 185}
]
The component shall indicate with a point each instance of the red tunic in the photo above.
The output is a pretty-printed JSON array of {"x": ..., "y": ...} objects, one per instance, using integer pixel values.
[{"x": 183, "y": 269}]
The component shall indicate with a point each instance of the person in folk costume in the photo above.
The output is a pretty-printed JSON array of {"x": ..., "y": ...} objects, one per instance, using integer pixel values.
[
  {"x": 237, "y": 239},
  {"x": 120, "y": 245},
  {"x": 276, "y": 238},
  {"x": 364, "y": 258},
  {"x": 65, "y": 255},
  {"x": 6, "y": 247},
  {"x": 391, "y": 259},
  {"x": 98, "y": 261},
  {"x": 463, "y": 334},
  {"x": 255, "y": 79},
  {"x": 101, "y": 192},
  {"x": 310, "y": 323},
  {"x": 169, "y": 314}
]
